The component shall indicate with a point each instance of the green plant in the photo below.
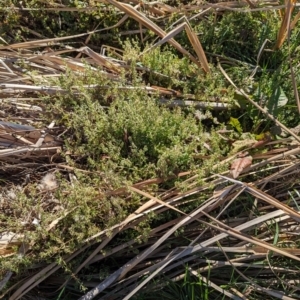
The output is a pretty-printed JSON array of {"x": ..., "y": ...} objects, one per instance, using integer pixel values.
[
  {"x": 188, "y": 288},
  {"x": 134, "y": 136}
]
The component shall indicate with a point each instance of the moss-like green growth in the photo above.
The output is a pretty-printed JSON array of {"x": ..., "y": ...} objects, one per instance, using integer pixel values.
[{"x": 134, "y": 137}]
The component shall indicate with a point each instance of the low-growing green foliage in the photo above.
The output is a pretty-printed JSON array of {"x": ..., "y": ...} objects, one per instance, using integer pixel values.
[
  {"x": 188, "y": 288},
  {"x": 121, "y": 136},
  {"x": 134, "y": 136},
  {"x": 37, "y": 20}
]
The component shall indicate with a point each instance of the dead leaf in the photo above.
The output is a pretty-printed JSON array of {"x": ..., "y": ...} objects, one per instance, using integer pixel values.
[{"x": 239, "y": 164}]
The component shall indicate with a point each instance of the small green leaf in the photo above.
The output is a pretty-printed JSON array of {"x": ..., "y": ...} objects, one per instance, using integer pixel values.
[
  {"x": 277, "y": 100},
  {"x": 240, "y": 145},
  {"x": 235, "y": 123}
]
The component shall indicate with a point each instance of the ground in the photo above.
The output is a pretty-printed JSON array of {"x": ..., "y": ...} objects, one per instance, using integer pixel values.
[{"x": 149, "y": 149}]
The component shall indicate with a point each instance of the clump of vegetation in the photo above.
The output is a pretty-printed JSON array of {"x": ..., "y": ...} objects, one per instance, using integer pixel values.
[{"x": 134, "y": 137}]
